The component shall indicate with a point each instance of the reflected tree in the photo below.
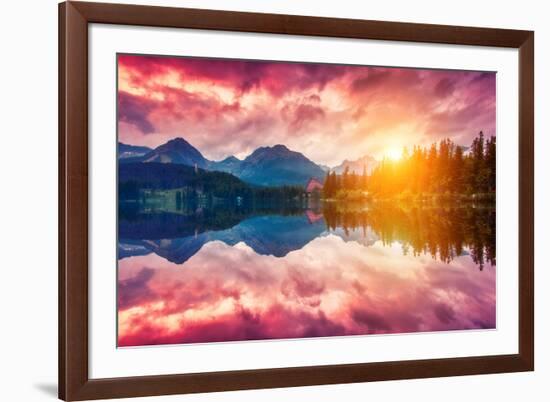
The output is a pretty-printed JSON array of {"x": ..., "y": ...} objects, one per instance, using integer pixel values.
[{"x": 444, "y": 232}]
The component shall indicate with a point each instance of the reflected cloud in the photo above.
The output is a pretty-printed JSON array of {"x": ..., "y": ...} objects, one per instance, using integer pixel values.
[{"x": 329, "y": 287}]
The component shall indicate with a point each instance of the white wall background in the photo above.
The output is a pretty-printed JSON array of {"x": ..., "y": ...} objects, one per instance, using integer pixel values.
[{"x": 28, "y": 199}]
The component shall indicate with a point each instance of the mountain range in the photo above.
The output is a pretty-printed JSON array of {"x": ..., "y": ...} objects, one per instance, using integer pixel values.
[
  {"x": 177, "y": 239},
  {"x": 266, "y": 166}
]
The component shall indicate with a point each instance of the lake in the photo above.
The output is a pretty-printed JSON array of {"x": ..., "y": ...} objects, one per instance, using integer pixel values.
[{"x": 215, "y": 273}]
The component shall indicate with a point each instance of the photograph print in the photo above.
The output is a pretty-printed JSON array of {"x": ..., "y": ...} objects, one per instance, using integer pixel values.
[{"x": 263, "y": 200}]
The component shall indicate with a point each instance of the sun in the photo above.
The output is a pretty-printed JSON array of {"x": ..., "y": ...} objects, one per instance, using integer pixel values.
[{"x": 393, "y": 153}]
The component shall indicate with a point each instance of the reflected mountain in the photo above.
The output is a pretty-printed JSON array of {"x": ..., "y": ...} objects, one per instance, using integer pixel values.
[
  {"x": 132, "y": 248},
  {"x": 275, "y": 235},
  {"x": 441, "y": 232}
]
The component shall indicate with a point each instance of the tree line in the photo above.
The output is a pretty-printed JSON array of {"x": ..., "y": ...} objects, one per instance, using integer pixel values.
[{"x": 442, "y": 168}]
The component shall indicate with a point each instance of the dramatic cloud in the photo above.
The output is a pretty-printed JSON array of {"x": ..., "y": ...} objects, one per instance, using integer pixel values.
[
  {"x": 328, "y": 112},
  {"x": 135, "y": 110},
  {"x": 327, "y": 288}
]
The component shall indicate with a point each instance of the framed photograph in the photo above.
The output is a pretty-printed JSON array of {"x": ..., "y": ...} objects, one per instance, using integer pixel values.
[{"x": 259, "y": 200}]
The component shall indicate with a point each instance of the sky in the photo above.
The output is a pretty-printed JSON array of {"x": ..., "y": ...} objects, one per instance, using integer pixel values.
[{"x": 327, "y": 112}]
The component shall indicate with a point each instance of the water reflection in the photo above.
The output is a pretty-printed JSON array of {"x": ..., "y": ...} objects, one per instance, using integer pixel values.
[{"x": 240, "y": 273}]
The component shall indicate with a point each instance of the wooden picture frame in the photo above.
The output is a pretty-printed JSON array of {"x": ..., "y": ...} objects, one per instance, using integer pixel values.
[{"x": 74, "y": 381}]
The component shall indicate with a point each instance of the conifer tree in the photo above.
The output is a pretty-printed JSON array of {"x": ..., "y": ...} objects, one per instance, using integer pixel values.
[{"x": 327, "y": 186}]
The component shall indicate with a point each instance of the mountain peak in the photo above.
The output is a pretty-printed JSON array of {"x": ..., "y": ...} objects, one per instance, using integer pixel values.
[
  {"x": 177, "y": 150},
  {"x": 231, "y": 164},
  {"x": 178, "y": 141},
  {"x": 277, "y": 165},
  {"x": 280, "y": 147},
  {"x": 275, "y": 151},
  {"x": 231, "y": 158}
]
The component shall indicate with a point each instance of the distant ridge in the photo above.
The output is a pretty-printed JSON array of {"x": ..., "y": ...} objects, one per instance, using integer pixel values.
[
  {"x": 230, "y": 165},
  {"x": 126, "y": 151},
  {"x": 367, "y": 163}
]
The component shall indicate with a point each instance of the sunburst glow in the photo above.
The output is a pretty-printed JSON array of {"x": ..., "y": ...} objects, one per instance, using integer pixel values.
[{"x": 393, "y": 153}]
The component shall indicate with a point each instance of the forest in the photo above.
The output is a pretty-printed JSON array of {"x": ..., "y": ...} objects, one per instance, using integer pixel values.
[
  {"x": 136, "y": 177},
  {"x": 443, "y": 169}
]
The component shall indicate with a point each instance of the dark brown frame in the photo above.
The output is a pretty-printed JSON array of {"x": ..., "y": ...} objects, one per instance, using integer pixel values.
[{"x": 74, "y": 383}]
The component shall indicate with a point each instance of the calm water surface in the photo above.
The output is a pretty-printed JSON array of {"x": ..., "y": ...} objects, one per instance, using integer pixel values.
[{"x": 212, "y": 274}]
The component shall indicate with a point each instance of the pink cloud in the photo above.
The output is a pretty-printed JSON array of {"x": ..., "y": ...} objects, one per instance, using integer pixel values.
[{"x": 226, "y": 107}]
